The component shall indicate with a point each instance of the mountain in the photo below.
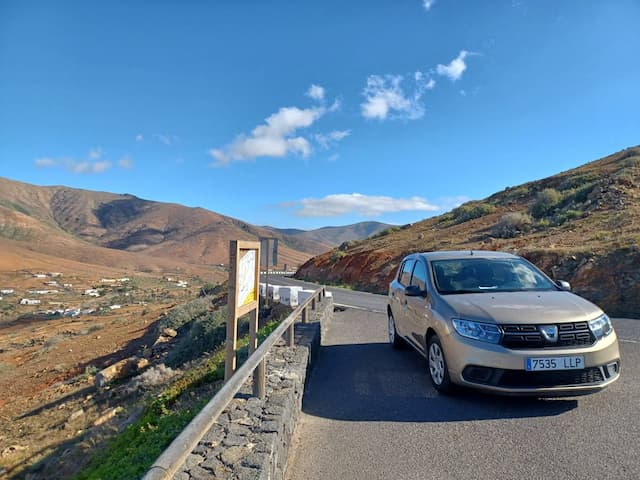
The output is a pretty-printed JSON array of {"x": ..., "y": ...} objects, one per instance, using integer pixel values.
[
  {"x": 582, "y": 225},
  {"x": 126, "y": 231},
  {"x": 333, "y": 236}
]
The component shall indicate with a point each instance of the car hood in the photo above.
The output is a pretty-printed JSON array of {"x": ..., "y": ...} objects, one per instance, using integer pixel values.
[{"x": 522, "y": 307}]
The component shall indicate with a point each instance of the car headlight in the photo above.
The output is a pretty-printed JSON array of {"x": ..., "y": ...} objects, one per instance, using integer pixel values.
[
  {"x": 486, "y": 332},
  {"x": 601, "y": 326}
]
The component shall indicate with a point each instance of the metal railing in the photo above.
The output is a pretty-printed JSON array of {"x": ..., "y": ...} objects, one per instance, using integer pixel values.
[{"x": 175, "y": 454}]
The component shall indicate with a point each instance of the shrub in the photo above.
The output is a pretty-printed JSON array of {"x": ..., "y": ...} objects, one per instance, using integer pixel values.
[
  {"x": 386, "y": 231},
  {"x": 471, "y": 210},
  {"x": 206, "y": 333},
  {"x": 183, "y": 314},
  {"x": 546, "y": 201},
  {"x": 513, "y": 224}
]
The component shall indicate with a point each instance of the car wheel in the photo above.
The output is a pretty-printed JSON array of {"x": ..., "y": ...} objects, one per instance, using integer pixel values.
[
  {"x": 437, "y": 364},
  {"x": 394, "y": 338}
]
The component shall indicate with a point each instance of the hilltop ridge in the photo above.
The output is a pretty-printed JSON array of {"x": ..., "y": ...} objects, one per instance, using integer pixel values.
[{"x": 581, "y": 225}]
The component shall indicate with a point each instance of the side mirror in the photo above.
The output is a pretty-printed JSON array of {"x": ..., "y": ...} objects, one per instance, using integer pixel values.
[
  {"x": 414, "y": 291},
  {"x": 566, "y": 286}
]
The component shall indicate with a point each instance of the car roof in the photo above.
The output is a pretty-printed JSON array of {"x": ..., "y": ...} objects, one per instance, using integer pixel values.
[{"x": 464, "y": 254}]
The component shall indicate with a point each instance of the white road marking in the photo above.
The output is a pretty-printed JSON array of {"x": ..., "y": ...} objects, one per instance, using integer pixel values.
[{"x": 628, "y": 340}]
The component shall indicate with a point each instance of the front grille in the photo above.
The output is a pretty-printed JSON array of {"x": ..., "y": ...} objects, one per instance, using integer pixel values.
[
  {"x": 522, "y": 379},
  {"x": 573, "y": 334}
]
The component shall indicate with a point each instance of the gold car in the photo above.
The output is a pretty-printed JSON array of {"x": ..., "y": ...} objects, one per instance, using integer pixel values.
[{"x": 493, "y": 321}]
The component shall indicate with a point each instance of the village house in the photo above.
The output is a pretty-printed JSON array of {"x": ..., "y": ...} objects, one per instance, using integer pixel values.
[{"x": 29, "y": 301}]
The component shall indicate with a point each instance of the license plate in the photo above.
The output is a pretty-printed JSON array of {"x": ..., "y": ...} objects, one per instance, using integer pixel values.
[{"x": 534, "y": 364}]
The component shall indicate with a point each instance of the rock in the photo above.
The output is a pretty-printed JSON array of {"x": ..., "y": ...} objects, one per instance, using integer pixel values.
[
  {"x": 270, "y": 426},
  {"x": 212, "y": 464},
  {"x": 76, "y": 414},
  {"x": 255, "y": 460},
  {"x": 113, "y": 372},
  {"x": 107, "y": 415},
  {"x": 244, "y": 473},
  {"x": 12, "y": 450},
  {"x": 141, "y": 363},
  {"x": 232, "y": 440},
  {"x": 233, "y": 454},
  {"x": 199, "y": 473},
  {"x": 169, "y": 332},
  {"x": 193, "y": 461}
]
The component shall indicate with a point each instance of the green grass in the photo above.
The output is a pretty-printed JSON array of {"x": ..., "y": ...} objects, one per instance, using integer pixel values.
[{"x": 131, "y": 453}]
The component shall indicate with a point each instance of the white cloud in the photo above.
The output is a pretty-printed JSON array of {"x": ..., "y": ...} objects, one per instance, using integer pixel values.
[
  {"x": 427, "y": 4},
  {"x": 125, "y": 162},
  {"x": 332, "y": 138},
  {"x": 275, "y": 138},
  {"x": 46, "y": 162},
  {"x": 81, "y": 166},
  {"x": 385, "y": 97},
  {"x": 96, "y": 153},
  {"x": 139, "y": 137},
  {"x": 316, "y": 92},
  {"x": 166, "y": 138},
  {"x": 365, "y": 205},
  {"x": 87, "y": 167},
  {"x": 455, "y": 69},
  {"x": 334, "y": 157}
]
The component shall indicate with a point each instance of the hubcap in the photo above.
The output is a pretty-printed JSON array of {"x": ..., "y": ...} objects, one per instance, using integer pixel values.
[
  {"x": 436, "y": 363},
  {"x": 392, "y": 330}
]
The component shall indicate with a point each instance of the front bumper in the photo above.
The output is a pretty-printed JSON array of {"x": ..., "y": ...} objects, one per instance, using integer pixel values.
[{"x": 497, "y": 369}]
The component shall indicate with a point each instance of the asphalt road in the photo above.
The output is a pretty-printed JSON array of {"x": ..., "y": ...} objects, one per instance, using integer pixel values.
[{"x": 369, "y": 412}]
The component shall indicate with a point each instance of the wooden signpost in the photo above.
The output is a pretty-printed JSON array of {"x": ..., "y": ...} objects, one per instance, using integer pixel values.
[{"x": 244, "y": 277}]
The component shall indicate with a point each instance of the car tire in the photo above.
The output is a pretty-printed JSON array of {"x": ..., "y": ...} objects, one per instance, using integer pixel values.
[
  {"x": 394, "y": 339},
  {"x": 437, "y": 366}
]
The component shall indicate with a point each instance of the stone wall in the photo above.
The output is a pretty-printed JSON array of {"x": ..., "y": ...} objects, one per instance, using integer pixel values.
[{"x": 250, "y": 439}]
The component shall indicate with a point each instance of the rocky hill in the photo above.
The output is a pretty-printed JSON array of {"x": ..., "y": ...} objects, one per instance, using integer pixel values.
[{"x": 582, "y": 225}]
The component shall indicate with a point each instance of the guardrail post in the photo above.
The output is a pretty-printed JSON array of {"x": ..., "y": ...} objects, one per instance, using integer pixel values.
[
  {"x": 313, "y": 303},
  {"x": 304, "y": 315},
  {"x": 291, "y": 339},
  {"x": 260, "y": 379}
]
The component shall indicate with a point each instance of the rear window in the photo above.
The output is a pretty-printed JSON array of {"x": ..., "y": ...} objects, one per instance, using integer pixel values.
[{"x": 488, "y": 275}]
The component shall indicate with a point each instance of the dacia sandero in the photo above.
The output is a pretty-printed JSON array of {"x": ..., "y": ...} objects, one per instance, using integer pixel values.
[{"x": 494, "y": 321}]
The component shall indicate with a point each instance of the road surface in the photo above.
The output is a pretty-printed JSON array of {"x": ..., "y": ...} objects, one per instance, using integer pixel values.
[{"x": 369, "y": 412}]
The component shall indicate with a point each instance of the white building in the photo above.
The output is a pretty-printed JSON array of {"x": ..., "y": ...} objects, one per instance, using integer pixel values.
[
  {"x": 7, "y": 291},
  {"x": 91, "y": 292},
  {"x": 29, "y": 301}
]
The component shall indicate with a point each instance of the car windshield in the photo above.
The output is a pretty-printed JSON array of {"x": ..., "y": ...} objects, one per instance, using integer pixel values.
[{"x": 487, "y": 275}]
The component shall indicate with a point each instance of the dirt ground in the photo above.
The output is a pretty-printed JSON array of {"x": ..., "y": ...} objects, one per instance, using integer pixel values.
[{"x": 47, "y": 363}]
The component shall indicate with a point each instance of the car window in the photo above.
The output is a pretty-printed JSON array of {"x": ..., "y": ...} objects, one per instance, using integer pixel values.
[
  {"x": 419, "y": 277},
  {"x": 405, "y": 274},
  {"x": 488, "y": 275}
]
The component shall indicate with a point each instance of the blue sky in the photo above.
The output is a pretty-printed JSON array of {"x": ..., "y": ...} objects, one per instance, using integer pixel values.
[{"x": 306, "y": 114}]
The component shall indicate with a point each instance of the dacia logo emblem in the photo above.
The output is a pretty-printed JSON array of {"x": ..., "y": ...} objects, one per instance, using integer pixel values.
[{"x": 549, "y": 332}]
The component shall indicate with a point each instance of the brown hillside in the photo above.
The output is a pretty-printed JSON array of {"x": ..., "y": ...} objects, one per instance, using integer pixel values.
[
  {"x": 70, "y": 223},
  {"x": 582, "y": 225}
]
